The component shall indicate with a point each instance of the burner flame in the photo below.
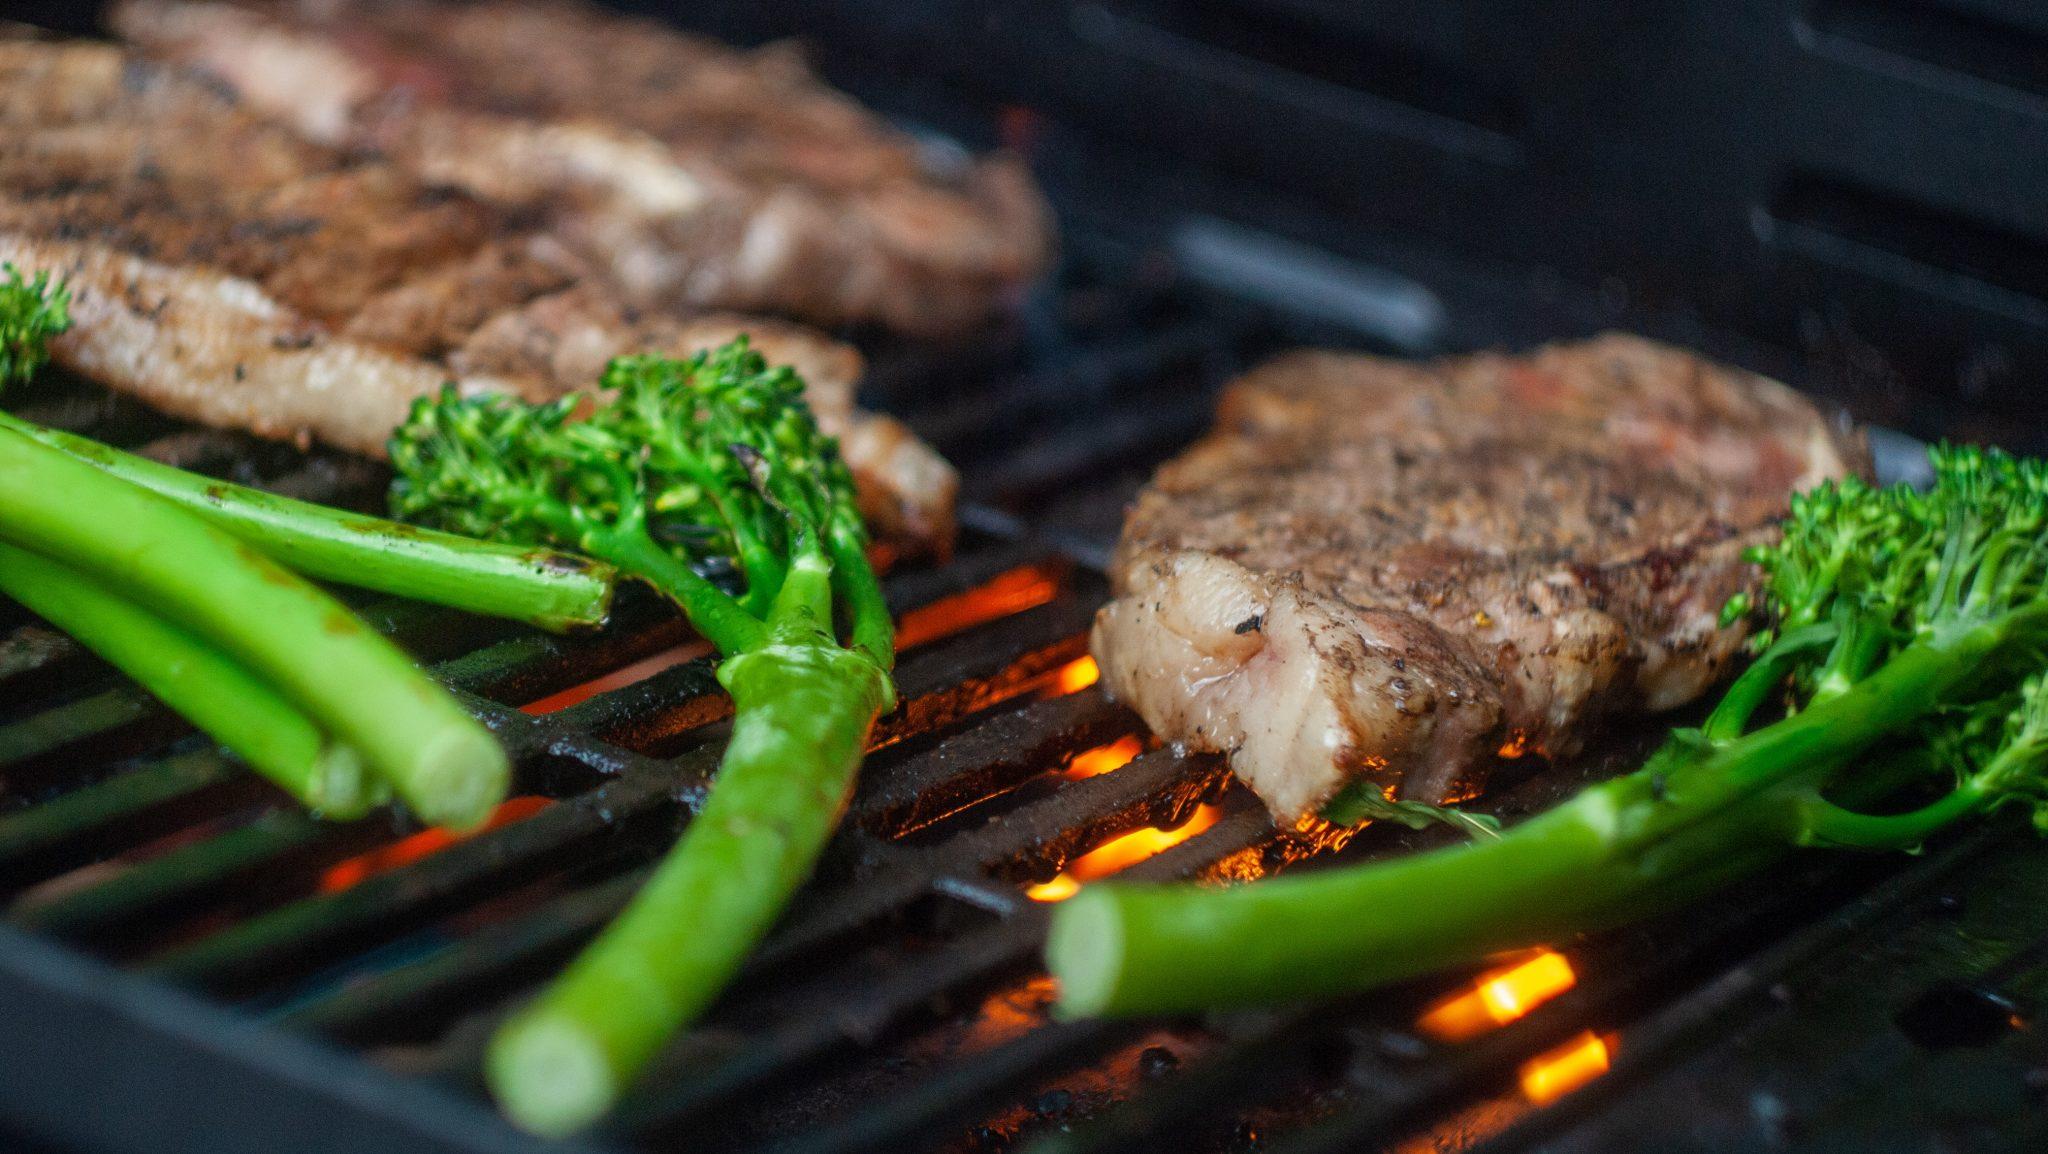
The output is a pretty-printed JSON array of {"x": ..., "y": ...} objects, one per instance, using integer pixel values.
[
  {"x": 1075, "y": 676},
  {"x": 1499, "y": 997},
  {"x": 1104, "y": 758},
  {"x": 1121, "y": 854},
  {"x": 1007, "y": 594},
  {"x": 356, "y": 870},
  {"x": 1555, "y": 1073}
]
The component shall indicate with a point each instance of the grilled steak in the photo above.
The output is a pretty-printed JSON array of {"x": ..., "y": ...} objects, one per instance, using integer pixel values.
[
  {"x": 1391, "y": 570},
  {"x": 227, "y": 270},
  {"x": 690, "y": 171}
]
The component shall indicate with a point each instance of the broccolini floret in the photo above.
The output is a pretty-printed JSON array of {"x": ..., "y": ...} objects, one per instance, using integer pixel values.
[
  {"x": 714, "y": 461},
  {"x": 32, "y": 310}
]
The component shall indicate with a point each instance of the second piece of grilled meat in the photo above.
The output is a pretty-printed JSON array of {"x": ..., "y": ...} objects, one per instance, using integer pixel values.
[
  {"x": 227, "y": 270},
  {"x": 1393, "y": 570},
  {"x": 693, "y": 173}
]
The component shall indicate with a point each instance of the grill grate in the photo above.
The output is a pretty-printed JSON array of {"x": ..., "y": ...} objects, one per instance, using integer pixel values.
[{"x": 898, "y": 1006}]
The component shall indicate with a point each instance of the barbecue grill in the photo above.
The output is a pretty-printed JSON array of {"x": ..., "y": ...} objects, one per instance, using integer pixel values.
[{"x": 1843, "y": 193}]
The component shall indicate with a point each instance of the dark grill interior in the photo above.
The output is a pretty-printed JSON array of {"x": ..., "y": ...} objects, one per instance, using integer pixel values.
[{"x": 1854, "y": 1003}]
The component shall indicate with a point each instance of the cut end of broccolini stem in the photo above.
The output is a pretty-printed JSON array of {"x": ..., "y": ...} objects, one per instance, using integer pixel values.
[
  {"x": 461, "y": 776},
  {"x": 1085, "y": 949},
  {"x": 551, "y": 1075}
]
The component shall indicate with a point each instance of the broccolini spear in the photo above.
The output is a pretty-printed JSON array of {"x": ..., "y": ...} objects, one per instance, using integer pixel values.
[
  {"x": 271, "y": 666},
  {"x": 684, "y": 462},
  {"x": 356, "y": 686},
  {"x": 538, "y": 586},
  {"x": 1912, "y": 631},
  {"x": 198, "y": 681}
]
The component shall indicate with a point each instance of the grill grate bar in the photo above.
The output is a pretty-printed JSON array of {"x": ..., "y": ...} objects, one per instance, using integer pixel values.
[
  {"x": 1706, "y": 1010},
  {"x": 940, "y": 684},
  {"x": 1394, "y": 1079},
  {"x": 1037, "y": 738},
  {"x": 75, "y": 830},
  {"x": 964, "y": 1094},
  {"x": 260, "y": 855},
  {"x": 268, "y": 946},
  {"x": 989, "y": 760}
]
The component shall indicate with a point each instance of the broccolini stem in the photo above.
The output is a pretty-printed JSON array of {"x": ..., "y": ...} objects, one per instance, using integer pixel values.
[
  {"x": 1644, "y": 841},
  {"x": 350, "y": 681},
  {"x": 1765, "y": 676},
  {"x": 1824, "y": 823},
  {"x": 874, "y": 630},
  {"x": 802, "y": 716},
  {"x": 539, "y": 586},
  {"x": 211, "y": 690},
  {"x": 711, "y": 610}
]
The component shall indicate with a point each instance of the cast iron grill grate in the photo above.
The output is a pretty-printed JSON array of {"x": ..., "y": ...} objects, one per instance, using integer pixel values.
[{"x": 898, "y": 1006}]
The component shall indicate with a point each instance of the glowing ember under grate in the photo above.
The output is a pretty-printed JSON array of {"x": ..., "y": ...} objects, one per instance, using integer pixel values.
[
  {"x": 1555, "y": 1073},
  {"x": 1120, "y": 854},
  {"x": 1499, "y": 997}
]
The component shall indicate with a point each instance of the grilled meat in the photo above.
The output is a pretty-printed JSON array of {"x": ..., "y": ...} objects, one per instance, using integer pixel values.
[
  {"x": 225, "y": 269},
  {"x": 1393, "y": 570},
  {"x": 691, "y": 172}
]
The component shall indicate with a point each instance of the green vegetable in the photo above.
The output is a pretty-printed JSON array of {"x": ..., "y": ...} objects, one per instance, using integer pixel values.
[
  {"x": 31, "y": 312},
  {"x": 1363, "y": 801},
  {"x": 687, "y": 462},
  {"x": 545, "y": 588},
  {"x": 350, "y": 681},
  {"x": 215, "y": 693},
  {"x": 1910, "y": 631}
]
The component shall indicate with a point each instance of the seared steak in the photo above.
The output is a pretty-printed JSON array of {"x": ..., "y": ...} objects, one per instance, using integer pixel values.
[
  {"x": 1392, "y": 570},
  {"x": 692, "y": 172},
  {"x": 225, "y": 269}
]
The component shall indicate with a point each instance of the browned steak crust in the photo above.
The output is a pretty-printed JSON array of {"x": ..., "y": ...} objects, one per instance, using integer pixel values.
[
  {"x": 227, "y": 270},
  {"x": 1393, "y": 570},
  {"x": 690, "y": 171}
]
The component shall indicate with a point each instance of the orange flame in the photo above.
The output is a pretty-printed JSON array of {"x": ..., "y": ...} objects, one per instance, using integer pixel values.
[
  {"x": 1058, "y": 889},
  {"x": 1120, "y": 854},
  {"x": 1011, "y": 592},
  {"x": 343, "y": 874},
  {"x": 1075, "y": 676},
  {"x": 1499, "y": 997},
  {"x": 1104, "y": 758},
  {"x": 640, "y": 670},
  {"x": 1555, "y": 1073}
]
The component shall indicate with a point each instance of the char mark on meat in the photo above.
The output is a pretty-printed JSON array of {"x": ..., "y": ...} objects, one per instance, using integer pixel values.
[
  {"x": 228, "y": 270},
  {"x": 1442, "y": 561},
  {"x": 690, "y": 172}
]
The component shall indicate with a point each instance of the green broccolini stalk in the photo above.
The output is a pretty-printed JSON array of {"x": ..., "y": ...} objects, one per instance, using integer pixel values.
[
  {"x": 685, "y": 462},
  {"x": 358, "y": 687},
  {"x": 1910, "y": 631},
  {"x": 192, "y": 677},
  {"x": 538, "y": 586},
  {"x": 277, "y": 670}
]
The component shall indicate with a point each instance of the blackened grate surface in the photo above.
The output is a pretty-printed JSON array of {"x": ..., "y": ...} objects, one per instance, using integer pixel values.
[
  {"x": 189, "y": 965},
  {"x": 336, "y": 982}
]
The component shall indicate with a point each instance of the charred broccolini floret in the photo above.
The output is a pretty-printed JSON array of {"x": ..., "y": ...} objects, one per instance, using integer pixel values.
[
  {"x": 1907, "y": 633},
  {"x": 683, "y": 463}
]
